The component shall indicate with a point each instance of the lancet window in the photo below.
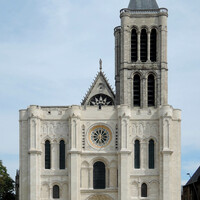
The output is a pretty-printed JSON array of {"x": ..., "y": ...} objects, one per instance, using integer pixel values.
[
  {"x": 144, "y": 190},
  {"x": 153, "y": 47},
  {"x": 47, "y": 154},
  {"x": 151, "y": 155},
  {"x": 137, "y": 154},
  {"x": 56, "y": 192},
  {"x": 99, "y": 175},
  {"x": 143, "y": 45},
  {"x": 151, "y": 90},
  {"x": 136, "y": 90},
  {"x": 62, "y": 154},
  {"x": 134, "y": 42}
]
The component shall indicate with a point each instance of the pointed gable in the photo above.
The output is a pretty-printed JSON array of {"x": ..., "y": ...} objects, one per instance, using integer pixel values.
[
  {"x": 143, "y": 5},
  {"x": 100, "y": 90}
]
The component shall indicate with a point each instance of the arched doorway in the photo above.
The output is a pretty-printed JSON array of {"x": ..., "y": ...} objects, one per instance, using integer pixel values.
[
  {"x": 99, "y": 175},
  {"x": 100, "y": 197}
]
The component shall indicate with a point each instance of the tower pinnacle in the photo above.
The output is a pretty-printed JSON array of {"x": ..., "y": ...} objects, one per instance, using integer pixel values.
[
  {"x": 143, "y": 5},
  {"x": 100, "y": 65}
]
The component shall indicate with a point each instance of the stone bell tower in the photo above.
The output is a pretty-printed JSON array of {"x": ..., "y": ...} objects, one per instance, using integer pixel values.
[{"x": 141, "y": 50}]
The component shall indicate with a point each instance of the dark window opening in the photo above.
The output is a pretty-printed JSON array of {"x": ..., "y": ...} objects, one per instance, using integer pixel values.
[
  {"x": 134, "y": 42},
  {"x": 144, "y": 190},
  {"x": 136, "y": 90},
  {"x": 153, "y": 47},
  {"x": 47, "y": 155},
  {"x": 151, "y": 90},
  {"x": 151, "y": 154},
  {"x": 137, "y": 154},
  {"x": 56, "y": 192},
  {"x": 143, "y": 45},
  {"x": 101, "y": 100},
  {"x": 62, "y": 154},
  {"x": 99, "y": 175}
]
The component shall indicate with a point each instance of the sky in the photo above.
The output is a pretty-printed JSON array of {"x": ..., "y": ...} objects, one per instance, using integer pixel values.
[{"x": 50, "y": 51}]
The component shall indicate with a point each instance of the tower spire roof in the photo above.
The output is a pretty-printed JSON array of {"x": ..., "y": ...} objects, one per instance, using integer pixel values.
[{"x": 143, "y": 5}]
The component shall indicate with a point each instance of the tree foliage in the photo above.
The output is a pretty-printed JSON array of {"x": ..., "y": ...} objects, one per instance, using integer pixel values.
[{"x": 6, "y": 184}]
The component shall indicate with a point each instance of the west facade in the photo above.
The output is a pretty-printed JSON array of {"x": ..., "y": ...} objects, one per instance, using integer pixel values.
[{"x": 114, "y": 146}]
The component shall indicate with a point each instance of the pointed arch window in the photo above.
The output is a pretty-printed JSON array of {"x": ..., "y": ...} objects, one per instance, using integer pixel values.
[
  {"x": 137, "y": 154},
  {"x": 134, "y": 42},
  {"x": 151, "y": 90},
  {"x": 136, "y": 90},
  {"x": 62, "y": 154},
  {"x": 47, "y": 154},
  {"x": 144, "y": 190},
  {"x": 153, "y": 47},
  {"x": 151, "y": 154},
  {"x": 99, "y": 175},
  {"x": 56, "y": 192},
  {"x": 143, "y": 45}
]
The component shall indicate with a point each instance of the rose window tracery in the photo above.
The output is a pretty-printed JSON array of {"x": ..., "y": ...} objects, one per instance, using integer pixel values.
[
  {"x": 100, "y": 136},
  {"x": 101, "y": 99}
]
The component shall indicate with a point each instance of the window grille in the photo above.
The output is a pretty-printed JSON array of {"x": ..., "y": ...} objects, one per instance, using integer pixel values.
[
  {"x": 47, "y": 155},
  {"x": 143, "y": 45},
  {"x": 99, "y": 175},
  {"x": 151, "y": 154},
  {"x": 144, "y": 190},
  {"x": 136, "y": 90},
  {"x": 62, "y": 154},
  {"x": 56, "y": 192},
  {"x": 134, "y": 42},
  {"x": 153, "y": 47},
  {"x": 137, "y": 154},
  {"x": 151, "y": 90}
]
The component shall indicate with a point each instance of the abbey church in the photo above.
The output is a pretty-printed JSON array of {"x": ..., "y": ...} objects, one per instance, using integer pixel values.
[{"x": 123, "y": 145}]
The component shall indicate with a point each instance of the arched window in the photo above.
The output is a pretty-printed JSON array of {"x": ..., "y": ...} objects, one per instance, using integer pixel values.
[
  {"x": 99, "y": 175},
  {"x": 143, "y": 45},
  {"x": 47, "y": 155},
  {"x": 151, "y": 90},
  {"x": 144, "y": 190},
  {"x": 137, "y": 154},
  {"x": 153, "y": 47},
  {"x": 62, "y": 154},
  {"x": 151, "y": 154},
  {"x": 134, "y": 48},
  {"x": 56, "y": 192},
  {"x": 136, "y": 90}
]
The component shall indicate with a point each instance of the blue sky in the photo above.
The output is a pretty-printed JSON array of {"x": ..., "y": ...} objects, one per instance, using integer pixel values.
[{"x": 49, "y": 54}]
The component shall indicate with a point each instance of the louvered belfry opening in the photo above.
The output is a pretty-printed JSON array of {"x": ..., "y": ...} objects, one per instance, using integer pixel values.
[
  {"x": 151, "y": 154},
  {"x": 136, "y": 90},
  {"x": 137, "y": 154},
  {"x": 62, "y": 154},
  {"x": 151, "y": 90},
  {"x": 99, "y": 175},
  {"x": 143, "y": 45},
  {"x": 153, "y": 47},
  {"x": 47, "y": 155},
  {"x": 134, "y": 48}
]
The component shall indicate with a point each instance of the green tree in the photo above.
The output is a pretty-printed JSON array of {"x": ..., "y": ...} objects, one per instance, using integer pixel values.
[{"x": 6, "y": 184}]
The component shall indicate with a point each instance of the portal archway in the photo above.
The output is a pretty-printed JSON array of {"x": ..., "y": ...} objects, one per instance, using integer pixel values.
[{"x": 100, "y": 197}]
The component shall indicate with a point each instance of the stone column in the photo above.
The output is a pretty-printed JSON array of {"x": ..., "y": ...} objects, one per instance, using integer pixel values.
[
  {"x": 145, "y": 93},
  {"x": 55, "y": 155},
  {"x": 143, "y": 155},
  {"x": 148, "y": 45}
]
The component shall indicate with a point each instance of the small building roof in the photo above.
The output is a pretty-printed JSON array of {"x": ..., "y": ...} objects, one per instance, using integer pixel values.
[
  {"x": 143, "y": 5},
  {"x": 195, "y": 177}
]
